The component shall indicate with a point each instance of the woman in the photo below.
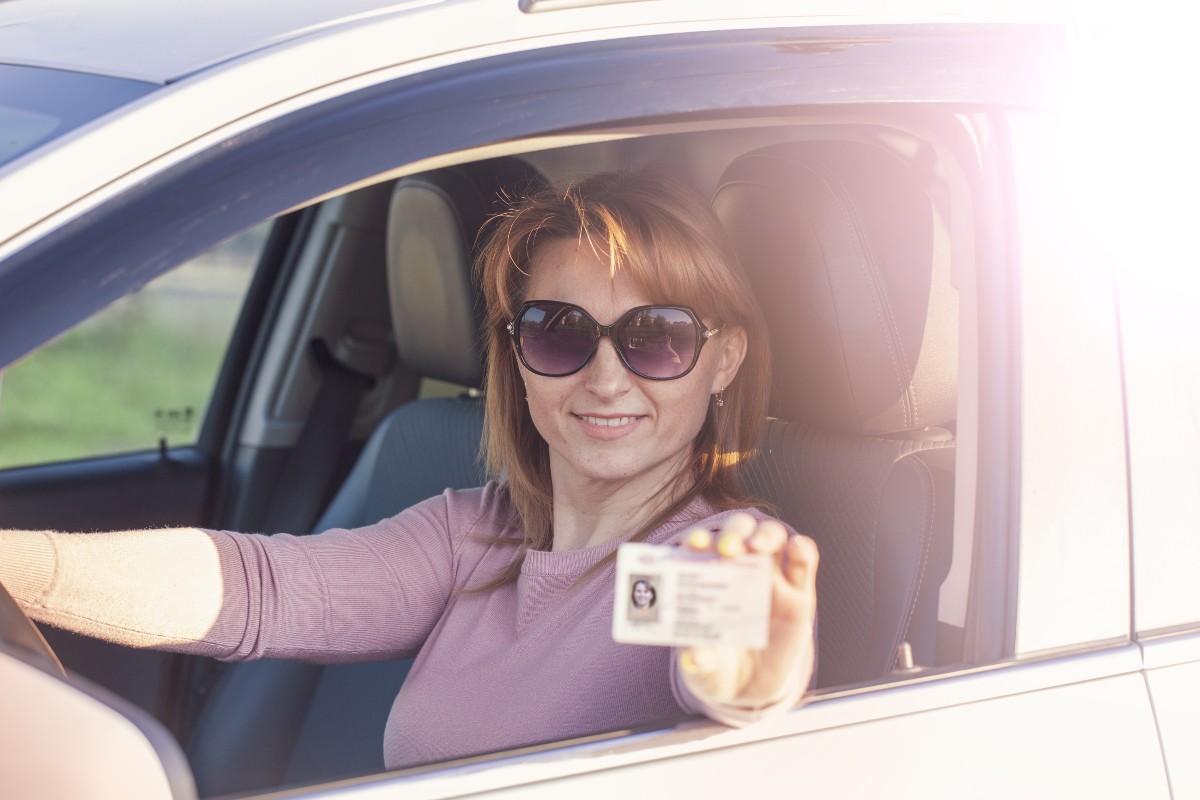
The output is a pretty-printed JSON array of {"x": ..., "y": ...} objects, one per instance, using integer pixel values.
[
  {"x": 597, "y": 435},
  {"x": 643, "y": 594}
]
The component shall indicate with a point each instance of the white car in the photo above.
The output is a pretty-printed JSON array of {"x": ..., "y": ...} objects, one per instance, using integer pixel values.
[{"x": 966, "y": 236}]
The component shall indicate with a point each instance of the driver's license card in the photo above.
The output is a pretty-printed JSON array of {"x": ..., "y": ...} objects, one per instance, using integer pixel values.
[{"x": 673, "y": 597}]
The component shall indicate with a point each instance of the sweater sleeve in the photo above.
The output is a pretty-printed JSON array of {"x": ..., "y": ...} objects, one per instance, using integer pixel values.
[
  {"x": 363, "y": 594},
  {"x": 152, "y": 588}
]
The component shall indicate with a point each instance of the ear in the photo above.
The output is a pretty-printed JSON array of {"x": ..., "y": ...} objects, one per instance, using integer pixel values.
[{"x": 731, "y": 350}]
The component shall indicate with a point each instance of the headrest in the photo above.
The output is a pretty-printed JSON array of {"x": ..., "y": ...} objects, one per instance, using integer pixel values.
[
  {"x": 850, "y": 256},
  {"x": 433, "y": 226}
]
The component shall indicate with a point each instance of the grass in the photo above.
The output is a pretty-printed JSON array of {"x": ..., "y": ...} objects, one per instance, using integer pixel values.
[
  {"x": 97, "y": 389},
  {"x": 106, "y": 386}
]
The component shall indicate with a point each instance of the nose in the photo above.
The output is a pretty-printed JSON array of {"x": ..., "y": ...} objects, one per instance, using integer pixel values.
[{"x": 605, "y": 375}]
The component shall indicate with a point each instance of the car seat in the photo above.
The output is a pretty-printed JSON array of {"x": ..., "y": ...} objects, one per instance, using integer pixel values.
[
  {"x": 847, "y": 247},
  {"x": 267, "y": 723}
]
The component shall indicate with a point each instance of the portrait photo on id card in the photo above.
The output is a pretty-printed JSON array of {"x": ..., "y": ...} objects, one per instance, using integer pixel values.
[{"x": 643, "y": 598}]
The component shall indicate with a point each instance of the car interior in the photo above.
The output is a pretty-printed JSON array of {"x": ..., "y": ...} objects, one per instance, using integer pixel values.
[{"x": 361, "y": 394}]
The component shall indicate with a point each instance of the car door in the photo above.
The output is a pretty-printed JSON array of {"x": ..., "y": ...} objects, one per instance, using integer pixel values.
[
  {"x": 1049, "y": 698},
  {"x": 138, "y": 429},
  {"x": 1159, "y": 330},
  {"x": 1163, "y": 383},
  {"x": 130, "y": 435}
]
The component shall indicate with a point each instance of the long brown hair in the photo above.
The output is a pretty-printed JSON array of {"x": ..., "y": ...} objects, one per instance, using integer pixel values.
[{"x": 667, "y": 237}]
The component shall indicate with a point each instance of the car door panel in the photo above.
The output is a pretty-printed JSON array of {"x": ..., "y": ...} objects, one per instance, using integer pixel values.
[
  {"x": 138, "y": 490},
  {"x": 1069, "y": 741},
  {"x": 1080, "y": 726},
  {"x": 144, "y": 490}
]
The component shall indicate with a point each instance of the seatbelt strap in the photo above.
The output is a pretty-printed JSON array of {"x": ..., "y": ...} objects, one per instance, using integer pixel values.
[{"x": 305, "y": 484}]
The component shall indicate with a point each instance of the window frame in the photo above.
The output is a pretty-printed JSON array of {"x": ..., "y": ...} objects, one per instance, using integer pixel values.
[
  {"x": 779, "y": 71},
  {"x": 184, "y": 208}
]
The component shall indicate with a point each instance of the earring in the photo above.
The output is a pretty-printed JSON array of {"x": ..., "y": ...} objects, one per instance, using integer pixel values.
[{"x": 718, "y": 399}]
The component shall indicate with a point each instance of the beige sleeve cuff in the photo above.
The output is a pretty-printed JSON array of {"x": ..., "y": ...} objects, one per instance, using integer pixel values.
[
  {"x": 28, "y": 562},
  {"x": 153, "y": 588}
]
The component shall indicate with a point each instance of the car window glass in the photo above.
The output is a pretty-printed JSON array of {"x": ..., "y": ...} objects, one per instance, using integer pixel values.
[
  {"x": 37, "y": 103},
  {"x": 139, "y": 371},
  {"x": 432, "y": 387}
]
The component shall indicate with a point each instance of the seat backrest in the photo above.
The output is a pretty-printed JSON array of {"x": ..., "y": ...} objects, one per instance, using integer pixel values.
[
  {"x": 269, "y": 722},
  {"x": 847, "y": 247}
]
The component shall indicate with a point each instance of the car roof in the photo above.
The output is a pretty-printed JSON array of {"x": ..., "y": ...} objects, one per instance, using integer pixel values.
[
  {"x": 217, "y": 67},
  {"x": 162, "y": 42}
]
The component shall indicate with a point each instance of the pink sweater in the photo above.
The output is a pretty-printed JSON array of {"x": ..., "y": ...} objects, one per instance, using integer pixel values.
[{"x": 529, "y": 662}]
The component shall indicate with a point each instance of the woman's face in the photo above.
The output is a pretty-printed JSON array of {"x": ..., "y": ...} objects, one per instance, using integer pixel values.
[
  {"x": 642, "y": 596},
  {"x": 605, "y": 423}
]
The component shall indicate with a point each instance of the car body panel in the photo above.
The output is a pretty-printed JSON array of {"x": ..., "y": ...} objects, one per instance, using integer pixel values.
[
  {"x": 573, "y": 86},
  {"x": 1074, "y": 554},
  {"x": 147, "y": 45},
  {"x": 1172, "y": 675},
  {"x": 299, "y": 107},
  {"x": 931, "y": 738},
  {"x": 1159, "y": 332},
  {"x": 191, "y": 115}
]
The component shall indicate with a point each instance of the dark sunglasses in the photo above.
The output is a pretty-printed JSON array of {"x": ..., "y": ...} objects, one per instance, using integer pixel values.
[{"x": 655, "y": 342}]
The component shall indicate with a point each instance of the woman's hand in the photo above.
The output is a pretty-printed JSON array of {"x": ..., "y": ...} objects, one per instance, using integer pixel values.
[{"x": 758, "y": 678}]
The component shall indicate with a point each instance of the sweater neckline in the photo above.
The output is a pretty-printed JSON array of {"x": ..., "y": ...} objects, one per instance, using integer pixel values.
[{"x": 574, "y": 562}]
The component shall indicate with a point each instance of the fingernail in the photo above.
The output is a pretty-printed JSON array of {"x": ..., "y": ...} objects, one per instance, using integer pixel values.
[
  {"x": 699, "y": 539},
  {"x": 759, "y": 541},
  {"x": 769, "y": 537},
  {"x": 740, "y": 524},
  {"x": 731, "y": 545},
  {"x": 803, "y": 552},
  {"x": 796, "y": 551}
]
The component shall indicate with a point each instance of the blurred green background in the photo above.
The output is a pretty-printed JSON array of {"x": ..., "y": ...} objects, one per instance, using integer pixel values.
[{"x": 127, "y": 376}]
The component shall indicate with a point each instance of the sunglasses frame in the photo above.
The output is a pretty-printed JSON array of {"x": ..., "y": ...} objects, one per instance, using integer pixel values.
[{"x": 705, "y": 333}]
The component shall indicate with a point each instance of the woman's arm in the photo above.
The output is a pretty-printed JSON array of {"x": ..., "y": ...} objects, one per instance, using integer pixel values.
[
  {"x": 369, "y": 593},
  {"x": 154, "y": 588}
]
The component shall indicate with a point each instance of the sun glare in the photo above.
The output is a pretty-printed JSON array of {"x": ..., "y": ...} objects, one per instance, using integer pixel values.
[{"x": 1129, "y": 146}]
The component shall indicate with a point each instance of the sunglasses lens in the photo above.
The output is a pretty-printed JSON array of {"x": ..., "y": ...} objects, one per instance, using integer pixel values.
[
  {"x": 555, "y": 339},
  {"x": 659, "y": 342}
]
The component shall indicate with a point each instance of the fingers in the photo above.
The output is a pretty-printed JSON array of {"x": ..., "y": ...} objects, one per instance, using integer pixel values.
[
  {"x": 713, "y": 673},
  {"x": 731, "y": 542},
  {"x": 769, "y": 538},
  {"x": 698, "y": 540},
  {"x": 719, "y": 674},
  {"x": 740, "y": 534},
  {"x": 802, "y": 560}
]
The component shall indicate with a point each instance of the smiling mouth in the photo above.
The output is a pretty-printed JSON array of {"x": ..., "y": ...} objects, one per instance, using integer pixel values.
[{"x": 608, "y": 422}]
